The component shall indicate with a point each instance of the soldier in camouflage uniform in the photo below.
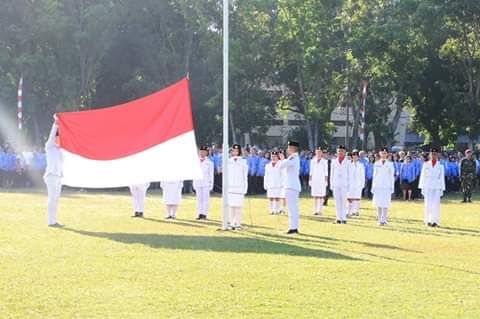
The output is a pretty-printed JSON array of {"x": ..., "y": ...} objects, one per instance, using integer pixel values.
[{"x": 468, "y": 169}]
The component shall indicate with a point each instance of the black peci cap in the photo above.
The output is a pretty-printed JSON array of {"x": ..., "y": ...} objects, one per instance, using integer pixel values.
[
  {"x": 384, "y": 149},
  {"x": 274, "y": 153},
  {"x": 293, "y": 143},
  {"x": 341, "y": 147},
  {"x": 434, "y": 150},
  {"x": 203, "y": 148},
  {"x": 236, "y": 147}
]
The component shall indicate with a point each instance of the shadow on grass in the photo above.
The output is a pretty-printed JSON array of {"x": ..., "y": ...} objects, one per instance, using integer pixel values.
[
  {"x": 174, "y": 222},
  {"x": 214, "y": 243}
]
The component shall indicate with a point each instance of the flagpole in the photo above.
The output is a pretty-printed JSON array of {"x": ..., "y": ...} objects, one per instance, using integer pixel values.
[{"x": 225, "y": 147}]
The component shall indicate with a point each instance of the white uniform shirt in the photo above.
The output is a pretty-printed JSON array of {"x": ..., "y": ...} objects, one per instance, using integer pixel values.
[
  {"x": 291, "y": 165},
  {"x": 356, "y": 175},
  {"x": 383, "y": 175},
  {"x": 207, "y": 173},
  {"x": 54, "y": 155},
  {"x": 318, "y": 172},
  {"x": 273, "y": 176},
  {"x": 338, "y": 173},
  {"x": 237, "y": 175},
  {"x": 432, "y": 177}
]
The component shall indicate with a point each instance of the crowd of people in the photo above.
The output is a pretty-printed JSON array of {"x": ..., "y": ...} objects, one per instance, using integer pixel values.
[
  {"x": 281, "y": 175},
  {"x": 21, "y": 169},
  {"x": 407, "y": 164}
]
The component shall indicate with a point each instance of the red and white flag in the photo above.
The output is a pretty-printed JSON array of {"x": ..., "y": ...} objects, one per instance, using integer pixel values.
[{"x": 145, "y": 140}]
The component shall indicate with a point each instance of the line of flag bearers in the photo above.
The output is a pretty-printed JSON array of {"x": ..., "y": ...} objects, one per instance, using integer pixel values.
[{"x": 344, "y": 175}]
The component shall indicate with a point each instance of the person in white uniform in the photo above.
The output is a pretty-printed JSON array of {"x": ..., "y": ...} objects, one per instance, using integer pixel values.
[
  {"x": 172, "y": 196},
  {"x": 283, "y": 201},
  {"x": 139, "y": 192},
  {"x": 291, "y": 185},
  {"x": 272, "y": 183},
  {"x": 204, "y": 186},
  {"x": 356, "y": 183},
  {"x": 237, "y": 186},
  {"x": 318, "y": 180},
  {"x": 53, "y": 174},
  {"x": 432, "y": 184},
  {"x": 383, "y": 186},
  {"x": 338, "y": 184}
]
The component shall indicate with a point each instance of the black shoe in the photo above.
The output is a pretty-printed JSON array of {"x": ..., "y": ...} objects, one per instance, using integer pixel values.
[
  {"x": 292, "y": 231},
  {"x": 344, "y": 221},
  {"x": 201, "y": 217},
  {"x": 464, "y": 200},
  {"x": 135, "y": 215},
  {"x": 140, "y": 214},
  {"x": 469, "y": 200},
  {"x": 434, "y": 225},
  {"x": 429, "y": 224},
  {"x": 56, "y": 225},
  {"x": 169, "y": 217},
  {"x": 337, "y": 222}
]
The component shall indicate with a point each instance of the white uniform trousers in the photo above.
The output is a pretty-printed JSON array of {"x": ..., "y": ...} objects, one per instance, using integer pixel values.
[
  {"x": 54, "y": 189},
  {"x": 291, "y": 196},
  {"x": 340, "y": 195},
  {"x": 138, "y": 195},
  {"x": 432, "y": 205},
  {"x": 203, "y": 198},
  {"x": 235, "y": 216}
]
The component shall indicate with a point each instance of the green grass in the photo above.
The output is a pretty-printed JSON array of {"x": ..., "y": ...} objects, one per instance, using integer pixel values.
[{"x": 104, "y": 264}]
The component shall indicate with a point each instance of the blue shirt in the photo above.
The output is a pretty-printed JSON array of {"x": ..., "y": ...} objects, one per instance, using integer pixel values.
[
  {"x": 452, "y": 169},
  {"x": 262, "y": 162},
  {"x": 2, "y": 160},
  {"x": 369, "y": 171},
  {"x": 397, "y": 165},
  {"x": 217, "y": 161},
  {"x": 39, "y": 162},
  {"x": 418, "y": 166},
  {"x": 304, "y": 166},
  {"x": 252, "y": 162},
  {"x": 10, "y": 160},
  {"x": 408, "y": 172}
]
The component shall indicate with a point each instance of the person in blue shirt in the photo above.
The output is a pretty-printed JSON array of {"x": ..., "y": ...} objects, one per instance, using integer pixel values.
[
  {"x": 252, "y": 162},
  {"x": 263, "y": 160},
  {"x": 407, "y": 177},
  {"x": 452, "y": 174},
  {"x": 10, "y": 159},
  {"x": 369, "y": 176},
  {"x": 396, "y": 165},
  {"x": 304, "y": 168},
  {"x": 217, "y": 170},
  {"x": 2, "y": 167},
  {"x": 478, "y": 170}
]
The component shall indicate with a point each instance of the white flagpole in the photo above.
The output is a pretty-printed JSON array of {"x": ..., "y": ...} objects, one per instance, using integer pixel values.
[{"x": 225, "y": 116}]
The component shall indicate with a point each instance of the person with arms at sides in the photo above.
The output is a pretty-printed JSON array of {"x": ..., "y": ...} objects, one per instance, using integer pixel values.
[
  {"x": 237, "y": 186},
  {"x": 432, "y": 185},
  {"x": 356, "y": 183},
  {"x": 272, "y": 183},
  {"x": 172, "y": 196},
  {"x": 318, "y": 180},
  {"x": 338, "y": 184},
  {"x": 383, "y": 186},
  {"x": 139, "y": 192}
]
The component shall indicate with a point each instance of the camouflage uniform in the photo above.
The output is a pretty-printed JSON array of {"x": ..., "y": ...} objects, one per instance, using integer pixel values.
[{"x": 468, "y": 170}]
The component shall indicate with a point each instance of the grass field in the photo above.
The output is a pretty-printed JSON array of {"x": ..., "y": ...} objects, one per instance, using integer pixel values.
[{"x": 104, "y": 264}]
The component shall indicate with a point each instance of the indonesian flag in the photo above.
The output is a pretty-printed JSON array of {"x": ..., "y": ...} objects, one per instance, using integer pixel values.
[{"x": 145, "y": 140}]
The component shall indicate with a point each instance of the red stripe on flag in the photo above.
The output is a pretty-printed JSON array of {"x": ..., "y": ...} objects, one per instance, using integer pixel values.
[{"x": 127, "y": 129}]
